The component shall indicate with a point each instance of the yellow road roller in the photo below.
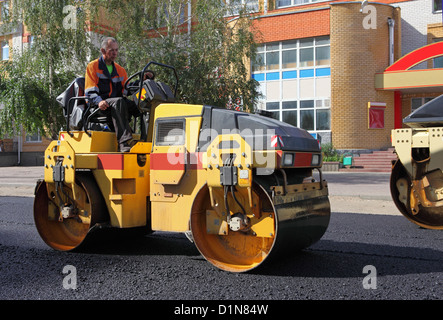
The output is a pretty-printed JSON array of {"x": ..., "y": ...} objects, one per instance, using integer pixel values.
[
  {"x": 240, "y": 185},
  {"x": 417, "y": 177}
]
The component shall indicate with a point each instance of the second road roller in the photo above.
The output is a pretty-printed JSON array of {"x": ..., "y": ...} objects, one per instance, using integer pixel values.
[
  {"x": 417, "y": 176},
  {"x": 240, "y": 185}
]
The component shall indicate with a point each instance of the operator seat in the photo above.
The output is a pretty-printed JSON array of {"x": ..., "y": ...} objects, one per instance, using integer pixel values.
[{"x": 77, "y": 109}]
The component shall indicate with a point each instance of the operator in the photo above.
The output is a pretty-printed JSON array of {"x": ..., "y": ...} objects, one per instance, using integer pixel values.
[{"x": 104, "y": 85}]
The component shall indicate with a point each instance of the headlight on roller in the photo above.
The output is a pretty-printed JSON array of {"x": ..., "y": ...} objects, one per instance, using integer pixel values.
[
  {"x": 288, "y": 159},
  {"x": 316, "y": 160}
]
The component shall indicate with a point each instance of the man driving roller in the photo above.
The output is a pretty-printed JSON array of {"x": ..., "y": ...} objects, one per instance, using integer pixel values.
[{"x": 104, "y": 85}]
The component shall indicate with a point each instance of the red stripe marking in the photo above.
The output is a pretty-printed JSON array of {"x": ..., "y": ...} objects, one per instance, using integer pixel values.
[
  {"x": 110, "y": 161},
  {"x": 176, "y": 161},
  {"x": 167, "y": 161},
  {"x": 279, "y": 158},
  {"x": 303, "y": 159},
  {"x": 195, "y": 161}
]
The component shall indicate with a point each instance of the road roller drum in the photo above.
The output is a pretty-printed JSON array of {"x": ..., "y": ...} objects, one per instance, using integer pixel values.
[{"x": 417, "y": 177}]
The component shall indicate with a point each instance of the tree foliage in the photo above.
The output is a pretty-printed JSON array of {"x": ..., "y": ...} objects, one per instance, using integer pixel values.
[
  {"x": 209, "y": 52},
  {"x": 211, "y": 60},
  {"x": 42, "y": 69},
  {"x": 29, "y": 99}
]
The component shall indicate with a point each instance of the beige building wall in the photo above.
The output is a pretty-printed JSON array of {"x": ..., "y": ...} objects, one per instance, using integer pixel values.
[{"x": 357, "y": 53}]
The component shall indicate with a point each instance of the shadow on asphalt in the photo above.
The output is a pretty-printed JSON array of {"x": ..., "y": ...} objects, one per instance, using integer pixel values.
[
  {"x": 340, "y": 262},
  {"x": 124, "y": 242},
  {"x": 345, "y": 256}
]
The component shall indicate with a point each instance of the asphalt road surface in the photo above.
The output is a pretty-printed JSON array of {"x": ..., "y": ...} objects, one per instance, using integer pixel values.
[{"x": 369, "y": 252}]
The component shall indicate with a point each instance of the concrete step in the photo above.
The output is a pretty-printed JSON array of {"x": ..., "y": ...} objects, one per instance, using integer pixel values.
[
  {"x": 363, "y": 170},
  {"x": 365, "y": 157},
  {"x": 378, "y": 156},
  {"x": 372, "y": 166},
  {"x": 357, "y": 159},
  {"x": 378, "y": 153},
  {"x": 371, "y": 163},
  {"x": 377, "y": 161}
]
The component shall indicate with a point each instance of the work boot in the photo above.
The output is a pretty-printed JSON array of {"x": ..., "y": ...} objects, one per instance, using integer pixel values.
[
  {"x": 127, "y": 145},
  {"x": 124, "y": 147}
]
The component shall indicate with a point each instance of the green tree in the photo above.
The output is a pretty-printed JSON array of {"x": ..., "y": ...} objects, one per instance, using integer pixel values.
[
  {"x": 211, "y": 60},
  {"x": 210, "y": 52},
  {"x": 36, "y": 75}
]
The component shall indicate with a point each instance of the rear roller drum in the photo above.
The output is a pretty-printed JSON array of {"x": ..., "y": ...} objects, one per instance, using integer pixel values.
[
  {"x": 404, "y": 198},
  {"x": 66, "y": 229}
]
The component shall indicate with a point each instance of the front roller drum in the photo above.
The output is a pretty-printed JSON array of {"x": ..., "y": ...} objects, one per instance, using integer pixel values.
[
  {"x": 69, "y": 233},
  {"x": 405, "y": 199},
  {"x": 290, "y": 223}
]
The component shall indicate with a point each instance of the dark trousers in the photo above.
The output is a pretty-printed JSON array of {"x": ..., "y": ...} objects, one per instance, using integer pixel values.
[{"x": 121, "y": 109}]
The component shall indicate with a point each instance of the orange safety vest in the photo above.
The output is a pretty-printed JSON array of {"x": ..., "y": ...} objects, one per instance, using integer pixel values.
[{"x": 100, "y": 85}]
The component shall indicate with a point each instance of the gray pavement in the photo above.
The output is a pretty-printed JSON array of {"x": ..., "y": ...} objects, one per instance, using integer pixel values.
[
  {"x": 364, "y": 185},
  {"x": 361, "y": 192},
  {"x": 20, "y": 175}
]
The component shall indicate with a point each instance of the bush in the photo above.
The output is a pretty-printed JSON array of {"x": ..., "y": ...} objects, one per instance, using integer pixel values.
[{"x": 330, "y": 154}]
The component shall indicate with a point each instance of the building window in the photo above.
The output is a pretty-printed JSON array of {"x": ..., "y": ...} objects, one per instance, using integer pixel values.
[
  {"x": 233, "y": 7},
  {"x": 289, "y": 3},
  {"x": 169, "y": 13},
  {"x": 273, "y": 58},
  {"x": 376, "y": 115},
  {"x": 36, "y": 137},
  {"x": 437, "y": 62},
  {"x": 4, "y": 11},
  {"x": 5, "y": 50},
  {"x": 437, "y": 6},
  {"x": 289, "y": 55},
  {"x": 418, "y": 102},
  {"x": 295, "y": 81}
]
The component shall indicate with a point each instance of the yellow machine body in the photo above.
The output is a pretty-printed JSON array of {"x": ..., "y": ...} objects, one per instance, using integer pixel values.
[
  {"x": 124, "y": 182},
  {"x": 175, "y": 180}
]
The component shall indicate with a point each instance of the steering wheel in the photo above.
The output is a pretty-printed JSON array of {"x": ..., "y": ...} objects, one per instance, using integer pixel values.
[
  {"x": 135, "y": 87},
  {"x": 132, "y": 87}
]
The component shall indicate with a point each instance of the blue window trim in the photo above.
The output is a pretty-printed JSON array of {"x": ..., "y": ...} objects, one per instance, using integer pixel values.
[
  {"x": 289, "y": 74},
  {"x": 273, "y": 76},
  {"x": 307, "y": 73},
  {"x": 323, "y": 72},
  {"x": 258, "y": 76},
  {"x": 293, "y": 74}
]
